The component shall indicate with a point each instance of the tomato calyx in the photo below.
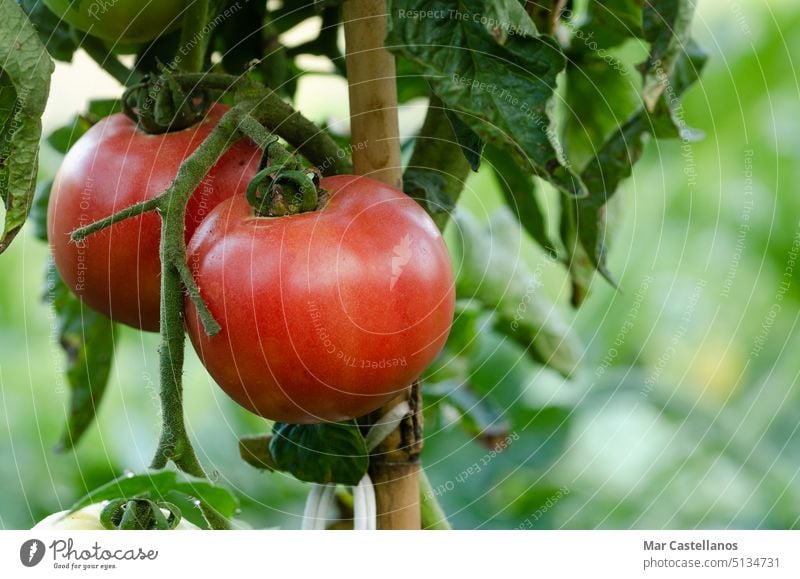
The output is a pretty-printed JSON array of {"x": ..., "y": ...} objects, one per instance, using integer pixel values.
[
  {"x": 277, "y": 192},
  {"x": 282, "y": 186},
  {"x": 139, "y": 515},
  {"x": 159, "y": 104}
]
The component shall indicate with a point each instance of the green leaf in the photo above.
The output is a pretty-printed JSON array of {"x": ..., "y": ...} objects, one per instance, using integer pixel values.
[
  {"x": 573, "y": 227},
  {"x": 87, "y": 338},
  {"x": 254, "y": 450},
  {"x": 321, "y": 453},
  {"x": 38, "y": 214},
  {"x": 158, "y": 485},
  {"x": 600, "y": 97},
  {"x": 481, "y": 416},
  {"x": 63, "y": 138},
  {"x": 614, "y": 161},
  {"x": 102, "y": 108},
  {"x": 26, "y": 66},
  {"x": 666, "y": 25},
  {"x": 519, "y": 190},
  {"x": 438, "y": 166},
  {"x": 54, "y": 32},
  {"x": 410, "y": 83},
  {"x": 469, "y": 141},
  {"x": 429, "y": 189},
  {"x": 506, "y": 18},
  {"x": 501, "y": 91},
  {"x": 609, "y": 23}
]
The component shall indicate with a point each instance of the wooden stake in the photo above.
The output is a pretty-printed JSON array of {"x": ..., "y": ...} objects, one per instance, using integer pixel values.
[
  {"x": 394, "y": 466},
  {"x": 373, "y": 92}
]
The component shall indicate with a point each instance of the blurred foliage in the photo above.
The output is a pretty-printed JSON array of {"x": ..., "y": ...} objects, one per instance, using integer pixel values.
[{"x": 684, "y": 410}]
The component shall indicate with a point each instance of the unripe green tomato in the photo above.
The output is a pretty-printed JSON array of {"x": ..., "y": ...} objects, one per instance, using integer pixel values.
[{"x": 125, "y": 21}]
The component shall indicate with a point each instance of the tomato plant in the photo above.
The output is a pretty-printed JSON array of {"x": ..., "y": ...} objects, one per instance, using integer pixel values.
[
  {"x": 125, "y": 21},
  {"x": 328, "y": 305},
  {"x": 111, "y": 167},
  {"x": 325, "y": 315}
]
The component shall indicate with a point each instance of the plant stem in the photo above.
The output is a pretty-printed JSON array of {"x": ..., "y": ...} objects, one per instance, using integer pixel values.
[
  {"x": 174, "y": 443},
  {"x": 433, "y": 516},
  {"x": 280, "y": 118},
  {"x": 193, "y": 41},
  {"x": 128, "y": 212},
  {"x": 311, "y": 141}
]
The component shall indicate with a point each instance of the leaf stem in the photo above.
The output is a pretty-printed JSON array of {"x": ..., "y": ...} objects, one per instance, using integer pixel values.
[{"x": 132, "y": 211}]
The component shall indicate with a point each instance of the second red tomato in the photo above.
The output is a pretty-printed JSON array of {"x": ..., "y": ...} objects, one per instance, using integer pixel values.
[{"x": 116, "y": 271}]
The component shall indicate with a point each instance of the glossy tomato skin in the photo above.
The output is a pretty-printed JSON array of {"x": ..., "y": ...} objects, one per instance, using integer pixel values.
[
  {"x": 325, "y": 315},
  {"x": 125, "y": 21},
  {"x": 116, "y": 271}
]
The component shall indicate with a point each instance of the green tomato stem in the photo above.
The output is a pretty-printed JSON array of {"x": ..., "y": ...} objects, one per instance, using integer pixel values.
[
  {"x": 194, "y": 37},
  {"x": 132, "y": 211},
  {"x": 433, "y": 516},
  {"x": 174, "y": 443}
]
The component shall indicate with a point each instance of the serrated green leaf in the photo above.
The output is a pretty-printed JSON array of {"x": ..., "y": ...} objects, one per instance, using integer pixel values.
[
  {"x": 26, "y": 64},
  {"x": 615, "y": 160},
  {"x": 321, "y": 453},
  {"x": 158, "y": 485},
  {"x": 87, "y": 339},
  {"x": 500, "y": 90},
  {"x": 54, "y": 32},
  {"x": 519, "y": 191}
]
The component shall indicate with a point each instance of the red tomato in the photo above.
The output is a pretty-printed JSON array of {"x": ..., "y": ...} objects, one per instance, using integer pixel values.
[
  {"x": 325, "y": 315},
  {"x": 117, "y": 270}
]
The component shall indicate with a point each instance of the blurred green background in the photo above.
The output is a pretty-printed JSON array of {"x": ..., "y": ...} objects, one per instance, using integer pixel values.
[{"x": 684, "y": 413}]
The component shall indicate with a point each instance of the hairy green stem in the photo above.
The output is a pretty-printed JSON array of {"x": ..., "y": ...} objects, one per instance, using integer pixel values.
[
  {"x": 279, "y": 117},
  {"x": 433, "y": 516},
  {"x": 128, "y": 212},
  {"x": 311, "y": 141},
  {"x": 210, "y": 325},
  {"x": 174, "y": 443},
  {"x": 193, "y": 38}
]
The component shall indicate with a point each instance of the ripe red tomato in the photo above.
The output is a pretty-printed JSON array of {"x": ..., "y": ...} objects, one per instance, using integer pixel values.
[
  {"x": 116, "y": 271},
  {"x": 325, "y": 315}
]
